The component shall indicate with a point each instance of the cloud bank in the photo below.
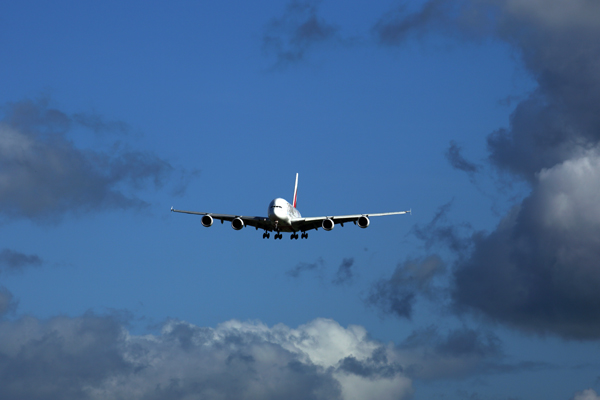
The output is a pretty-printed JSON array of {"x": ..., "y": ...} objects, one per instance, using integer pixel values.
[{"x": 94, "y": 357}]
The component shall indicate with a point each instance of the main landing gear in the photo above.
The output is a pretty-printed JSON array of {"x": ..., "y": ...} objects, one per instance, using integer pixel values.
[
  {"x": 267, "y": 235},
  {"x": 295, "y": 236},
  {"x": 278, "y": 235}
]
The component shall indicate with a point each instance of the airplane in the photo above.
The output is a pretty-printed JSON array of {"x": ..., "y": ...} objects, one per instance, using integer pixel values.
[{"x": 285, "y": 217}]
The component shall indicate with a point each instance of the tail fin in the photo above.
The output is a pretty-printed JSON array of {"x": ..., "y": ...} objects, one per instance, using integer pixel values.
[{"x": 296, "y": 190}]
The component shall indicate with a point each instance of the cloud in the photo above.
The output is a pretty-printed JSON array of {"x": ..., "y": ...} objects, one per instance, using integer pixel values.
[
  {"x": 538, "y": 270},
  {"x": 300, "y": 28},
  {"x": 44, "y": 175},
  {"x": 7, "y": 302},
  {"x": 344, "y": 273},
  {"x": 460, "y": 353},
  {"x": 397, "y": 295},
  {"x": 99, "y": 124},
  {"x": 558, "y": 46},
  {"x": 94, "y": 357},
  {"x": 457, "y": 161},
  {"x": 302, "y": 267},
  {"x": 589, "y": 394},
  {"x": 429, "y": 354},
  {"x": 13, "y": 261},
  {"x": 463, "y": 19},
  {"x": 439, "y": 231}
]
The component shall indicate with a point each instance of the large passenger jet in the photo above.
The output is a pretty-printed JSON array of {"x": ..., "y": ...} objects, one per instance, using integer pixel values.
[{"x": 284, "y": 217}]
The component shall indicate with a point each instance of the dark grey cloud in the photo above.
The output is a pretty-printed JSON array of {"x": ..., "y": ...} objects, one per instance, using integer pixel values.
[
  {"x": 303, "y": 267},
  {"x": 344, "y": 273},
  {"x": 538, "y": 270},
  {"x": 59, "y": 358},
  {"x": 398, "y": 25},
  {"x": 456, "y": 159},
  {"x": 439, "y": 231},
  {"x": 14, "y": 261},
  {"x": 44, "y": 175},
  {"x": 94, "y": 357},
  {"x": 397, "y": 294},
  {"x": 458, "y": 354},
  {"x": 558, "y": 47},
  {"x": 463, "y": 19},
  {"x": 7, "y": 302},
  {"x": 299, "y": 29}
]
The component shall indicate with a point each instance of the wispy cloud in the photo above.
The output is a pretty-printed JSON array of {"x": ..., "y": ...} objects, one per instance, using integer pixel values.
[
  {"x": 13, "y": 261},
  {"x": 344, "y": 273},
  {"x": 302, "y": 267},
  {"x": 7, "y": 301},
  {"x": 397, "y": 294},
  {"x": 298, "y": 30}
]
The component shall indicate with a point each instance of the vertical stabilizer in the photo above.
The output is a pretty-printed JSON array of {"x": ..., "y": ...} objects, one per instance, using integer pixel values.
[{"x": 296, "y": 190}]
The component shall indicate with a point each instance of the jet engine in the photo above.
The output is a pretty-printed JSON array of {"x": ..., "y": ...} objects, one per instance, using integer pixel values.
[
  {"x": 328, "y": 224},
  {"x": 207, "y": 220},
  {"x": 363, "y": 221},
  {"x": 237, "y": 223}
]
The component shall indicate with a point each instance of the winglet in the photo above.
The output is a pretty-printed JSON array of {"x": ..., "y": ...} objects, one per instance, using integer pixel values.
[
  {"x": 171, "y": 208},
  {"x": 296, "y": 190}
]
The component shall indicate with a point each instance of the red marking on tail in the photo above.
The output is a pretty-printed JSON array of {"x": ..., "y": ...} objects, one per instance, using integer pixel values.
[{"x": 296, "y": 191}]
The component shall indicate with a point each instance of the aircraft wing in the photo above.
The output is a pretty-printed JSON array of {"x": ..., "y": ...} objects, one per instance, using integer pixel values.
[
  {"x": 305, "y": 224},
  {"x": 257, "y": 222}
]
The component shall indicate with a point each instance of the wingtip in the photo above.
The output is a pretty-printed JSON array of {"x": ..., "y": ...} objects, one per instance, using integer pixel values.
[{"x": 171, "y": 208}]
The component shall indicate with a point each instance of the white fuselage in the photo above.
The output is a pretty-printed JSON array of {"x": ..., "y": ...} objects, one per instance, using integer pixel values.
[{"x": 282, "y": 213}]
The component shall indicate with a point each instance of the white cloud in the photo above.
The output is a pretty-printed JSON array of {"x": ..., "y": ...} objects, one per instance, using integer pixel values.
[{"x": 589, "y": 394}]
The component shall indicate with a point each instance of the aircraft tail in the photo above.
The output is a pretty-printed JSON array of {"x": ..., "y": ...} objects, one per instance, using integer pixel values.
[{"x": 296, "y": 190}]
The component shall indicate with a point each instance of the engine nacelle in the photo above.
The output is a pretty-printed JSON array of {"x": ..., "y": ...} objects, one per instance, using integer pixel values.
[
  {"x": 237, "y": 223},
  {"x": 328, "y": 224},
  {"x": 207, "y": 220},
  {"x": 363, "y": 221}
]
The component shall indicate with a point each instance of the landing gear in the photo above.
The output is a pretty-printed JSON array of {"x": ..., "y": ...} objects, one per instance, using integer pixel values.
[
  {"x": 266, "y": 235},
  {"x": 294, "y": 236},
  {"x": 304, "y": 235},
  {"x": 278, "y": 236}
]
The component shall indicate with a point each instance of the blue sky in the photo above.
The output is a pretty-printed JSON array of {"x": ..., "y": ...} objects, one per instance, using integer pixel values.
[{"x": 480, "y": 116}]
